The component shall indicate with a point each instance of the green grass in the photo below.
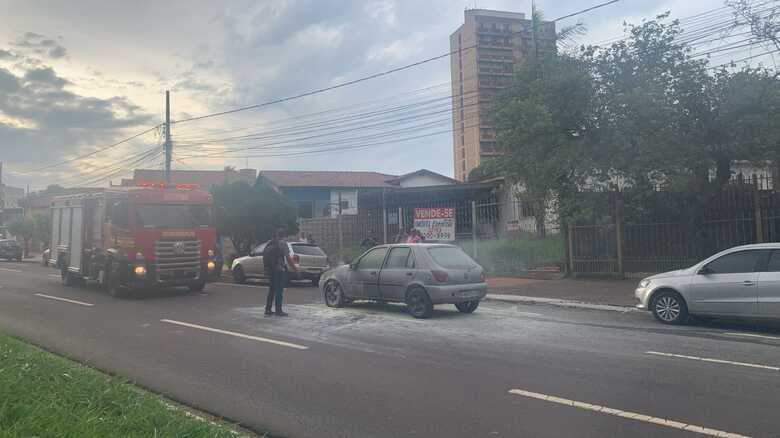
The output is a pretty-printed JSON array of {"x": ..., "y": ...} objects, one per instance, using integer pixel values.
[
  {"x": 43, "y": 395},
  {"x": 518, "y": 254}
]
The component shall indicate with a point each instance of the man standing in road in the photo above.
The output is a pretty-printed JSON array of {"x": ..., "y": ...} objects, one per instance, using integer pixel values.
[{"x": 277, "y": 260}]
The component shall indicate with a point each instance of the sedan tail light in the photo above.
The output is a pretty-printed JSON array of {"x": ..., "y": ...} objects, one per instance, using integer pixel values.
[
  {"x": 440, "y": 276},
  {"x": 296, "y": 259}
]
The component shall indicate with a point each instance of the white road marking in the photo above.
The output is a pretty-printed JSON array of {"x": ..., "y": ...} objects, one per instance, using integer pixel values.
[
  {"x": 238, "y": 335},
  {"x": 65, "y": 300},
  {"x": 254, "y": 285},
  {"x": 11, "y": 270},
  {"x": 626, "y": 414},
  {"x": 707, "y": 359},
  {"x": 528, "y": 313},
  {"x": 751, "y": 335}
]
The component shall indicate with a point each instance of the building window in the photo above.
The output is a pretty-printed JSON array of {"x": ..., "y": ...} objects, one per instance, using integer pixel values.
[
  {"x": 463, "y": 153},
  {"x": 463, "y": 167}
]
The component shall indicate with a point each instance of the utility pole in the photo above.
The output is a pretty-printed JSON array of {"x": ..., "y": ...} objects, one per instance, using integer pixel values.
[{"x": 168, "y": 143}]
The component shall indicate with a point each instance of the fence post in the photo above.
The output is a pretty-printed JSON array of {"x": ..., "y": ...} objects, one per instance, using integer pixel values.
[
  {"x": 619, "y": 235},
  {"x": 571, "y": 248},
  {"x": 758, "y": 216},
  {"x": 474, "y": 227}
]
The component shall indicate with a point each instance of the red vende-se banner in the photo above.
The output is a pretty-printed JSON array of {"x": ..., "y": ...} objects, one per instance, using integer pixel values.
[{"x": 434, "y": 213}]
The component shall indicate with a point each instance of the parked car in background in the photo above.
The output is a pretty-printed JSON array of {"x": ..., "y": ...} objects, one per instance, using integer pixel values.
[
  {"x": 741, "y": 282},
  {"x": 420, "y": 275},
  {"x": 10, "y": 250},
  {"x": 310, "y": 261}
]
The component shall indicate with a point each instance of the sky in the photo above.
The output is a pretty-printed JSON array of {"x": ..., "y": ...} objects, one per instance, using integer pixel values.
[{"x": 76, "y": 77}]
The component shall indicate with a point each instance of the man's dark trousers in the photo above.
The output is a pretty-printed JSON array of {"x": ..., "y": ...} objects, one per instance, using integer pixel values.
[{"x": 276, "y": 290}]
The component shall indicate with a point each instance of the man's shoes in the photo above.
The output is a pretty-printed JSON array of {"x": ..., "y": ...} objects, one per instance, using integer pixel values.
[
  {"x": 280, "y": 313},
  {"x": 268, "y": 313}
]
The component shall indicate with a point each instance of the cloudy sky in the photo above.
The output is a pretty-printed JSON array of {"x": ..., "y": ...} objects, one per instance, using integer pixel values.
[{"x": 77, "y": 76}]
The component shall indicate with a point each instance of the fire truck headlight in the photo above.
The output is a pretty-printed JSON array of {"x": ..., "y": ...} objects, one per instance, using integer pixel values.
[
  {"x": 139, "y": 255},
  {"x": 211, "y": 253},
  {"x": 211, "y": 265},
  {"x": 140, "y": 271}
]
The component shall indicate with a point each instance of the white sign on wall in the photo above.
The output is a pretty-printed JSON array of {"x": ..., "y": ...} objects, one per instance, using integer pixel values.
[{"x": 435, "y": 223}]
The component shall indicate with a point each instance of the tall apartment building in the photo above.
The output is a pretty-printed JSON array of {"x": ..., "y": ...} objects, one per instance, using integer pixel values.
[{"x": 488, "y": 45}]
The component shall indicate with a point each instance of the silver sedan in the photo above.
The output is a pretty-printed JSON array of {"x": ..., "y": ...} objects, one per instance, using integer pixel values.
[
  {"x": 739, "y": 282},
  {"x": 420, "y": 275}
]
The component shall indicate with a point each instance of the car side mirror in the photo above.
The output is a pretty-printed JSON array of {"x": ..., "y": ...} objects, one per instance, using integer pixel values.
[
  {"x": 352, "y": 266},
  {"x": 705, "y": 270}
]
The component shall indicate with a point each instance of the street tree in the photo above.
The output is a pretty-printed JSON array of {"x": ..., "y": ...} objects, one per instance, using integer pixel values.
[
  {"x": 542, "y": 125},
  {"x": 250, "y": 214},
  {"x": 23, "y": 229}
]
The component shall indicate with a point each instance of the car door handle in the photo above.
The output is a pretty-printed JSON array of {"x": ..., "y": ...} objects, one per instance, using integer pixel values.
[
  {"x": 409, "y": 274},
  {"x": 748, "y": 283},
  {"x": 372, "y": 273}
]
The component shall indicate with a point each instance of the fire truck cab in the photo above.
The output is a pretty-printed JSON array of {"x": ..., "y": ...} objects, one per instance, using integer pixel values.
[{"x": 129, "y": 238}]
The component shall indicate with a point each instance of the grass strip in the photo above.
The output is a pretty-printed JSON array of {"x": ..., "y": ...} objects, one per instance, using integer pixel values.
[{"x": 44, "y": 395}]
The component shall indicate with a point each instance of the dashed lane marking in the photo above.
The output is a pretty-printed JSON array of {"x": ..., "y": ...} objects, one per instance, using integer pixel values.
[
  {"x": 626, "y": 414},
  {"x": 238, "y": 335},
  {"x": 11, "y": 270},
  {"x": 711, "y": 360},
  {"x": 55, "y": 275},
  {"x": 81, "y": 303},
  {"x": 751, "y": 335}
]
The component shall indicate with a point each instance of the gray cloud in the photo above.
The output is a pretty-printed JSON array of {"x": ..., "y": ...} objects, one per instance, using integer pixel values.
[{"x": 38, "y": 44}]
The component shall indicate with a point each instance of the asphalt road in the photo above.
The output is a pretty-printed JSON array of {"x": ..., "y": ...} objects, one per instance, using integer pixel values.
[{"x": 372, "y": 371}]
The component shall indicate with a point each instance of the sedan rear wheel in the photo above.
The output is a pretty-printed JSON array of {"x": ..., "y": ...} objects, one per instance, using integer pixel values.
[
  {"x": 419, "y": 303},
  {"x": 467, "y": 306},
  {"x": 238, "y": 275},
  {"x": 669, "y": 308},
  {"x": 334, "y": 295}
]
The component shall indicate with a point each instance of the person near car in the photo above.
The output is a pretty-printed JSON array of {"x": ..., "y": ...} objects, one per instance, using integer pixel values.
[
  {"x": 368, "y": 243},
  {"x": 280, "y": 261},
  {"x": 414, "y": 237}
]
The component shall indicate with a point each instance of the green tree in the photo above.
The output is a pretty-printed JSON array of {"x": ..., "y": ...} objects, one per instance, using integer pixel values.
[
  {"x": 42, "y": 229},
  {"x": 542, "y": 125},
  {"x": 250, "y": 214},
  {"x": 24, "y": 229}
]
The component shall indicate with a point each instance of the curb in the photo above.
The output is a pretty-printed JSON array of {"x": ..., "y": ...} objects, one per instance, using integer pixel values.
[{"x": 560, "y": 303}]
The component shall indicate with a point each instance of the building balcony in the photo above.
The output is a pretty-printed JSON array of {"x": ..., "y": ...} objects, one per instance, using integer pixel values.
[{"x": 496, "y": 46}]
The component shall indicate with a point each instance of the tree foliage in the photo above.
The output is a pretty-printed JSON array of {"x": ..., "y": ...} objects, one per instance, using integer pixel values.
[
  {"x": 23, "y": 229},
  {"x": 639, "y": 114},
  {"x": 250, "y": 214}
]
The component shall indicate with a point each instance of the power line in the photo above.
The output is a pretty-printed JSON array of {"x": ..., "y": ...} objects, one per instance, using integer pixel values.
[
  {"x": 322, "y": 90},
  {"x": 80, "y": 157},
  {"x": 587, "y": 10}
]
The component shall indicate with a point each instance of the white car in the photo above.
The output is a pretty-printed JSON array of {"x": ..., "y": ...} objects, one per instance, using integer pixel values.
[
  {"x": 309, "y": 259},
  {"x": 743, "y": 282}
]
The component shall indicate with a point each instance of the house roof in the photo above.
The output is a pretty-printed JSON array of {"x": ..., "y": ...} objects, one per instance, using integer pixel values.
[
  {"x": 397, "y": 180},
  {"x": 205, "y": 178},
  {"x": 323, "y": 179}
]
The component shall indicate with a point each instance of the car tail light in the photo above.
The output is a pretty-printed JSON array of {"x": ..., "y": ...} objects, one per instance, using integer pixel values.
[
  {"x": 482, "y": 277},
  {"x": 440, "y": 276},
  {"x": 296, "y": 259}
]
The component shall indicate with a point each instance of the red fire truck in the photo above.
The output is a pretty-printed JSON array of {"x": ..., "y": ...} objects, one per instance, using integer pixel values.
[{"x": 129, "y": 238}]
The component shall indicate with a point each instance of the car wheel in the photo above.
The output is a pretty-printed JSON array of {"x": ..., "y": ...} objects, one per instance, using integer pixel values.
[
  {"x": 669, "y": 308},
  {"x": 197, "y": 287},
  {"x": 238, "y": 275},
  {"x": 419, "y": 303},
  {"x": 467, "y": 306},
  {"x": 334, "y": 295}
]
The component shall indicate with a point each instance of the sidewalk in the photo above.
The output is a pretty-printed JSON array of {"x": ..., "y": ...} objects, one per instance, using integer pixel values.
[{"x": 564, "y": 292}]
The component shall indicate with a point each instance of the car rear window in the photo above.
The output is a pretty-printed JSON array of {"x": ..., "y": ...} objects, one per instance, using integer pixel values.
[
  {"x": 309, "y": 250},
  {"x": 451, "y": 258}
]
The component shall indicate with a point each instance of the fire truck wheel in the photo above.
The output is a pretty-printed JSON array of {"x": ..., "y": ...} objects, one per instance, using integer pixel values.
[
  {"x": 112, "y": 284},
  {"x": 197, "y": 287},
  {"x": 67, "y": 278}
]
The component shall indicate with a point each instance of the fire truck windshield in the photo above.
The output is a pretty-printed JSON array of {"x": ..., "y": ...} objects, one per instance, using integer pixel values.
[{"x": 173, "y": 215}]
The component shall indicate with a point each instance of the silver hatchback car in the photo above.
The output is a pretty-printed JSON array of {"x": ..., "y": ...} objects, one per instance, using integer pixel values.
[
  {"x": 420, "y": 275},
  {"x": 742, "y": 282},
  {"x": 310, "y": 262}
]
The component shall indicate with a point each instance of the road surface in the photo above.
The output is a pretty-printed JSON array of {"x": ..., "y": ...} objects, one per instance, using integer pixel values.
[{"x": 372, "y": 371}]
